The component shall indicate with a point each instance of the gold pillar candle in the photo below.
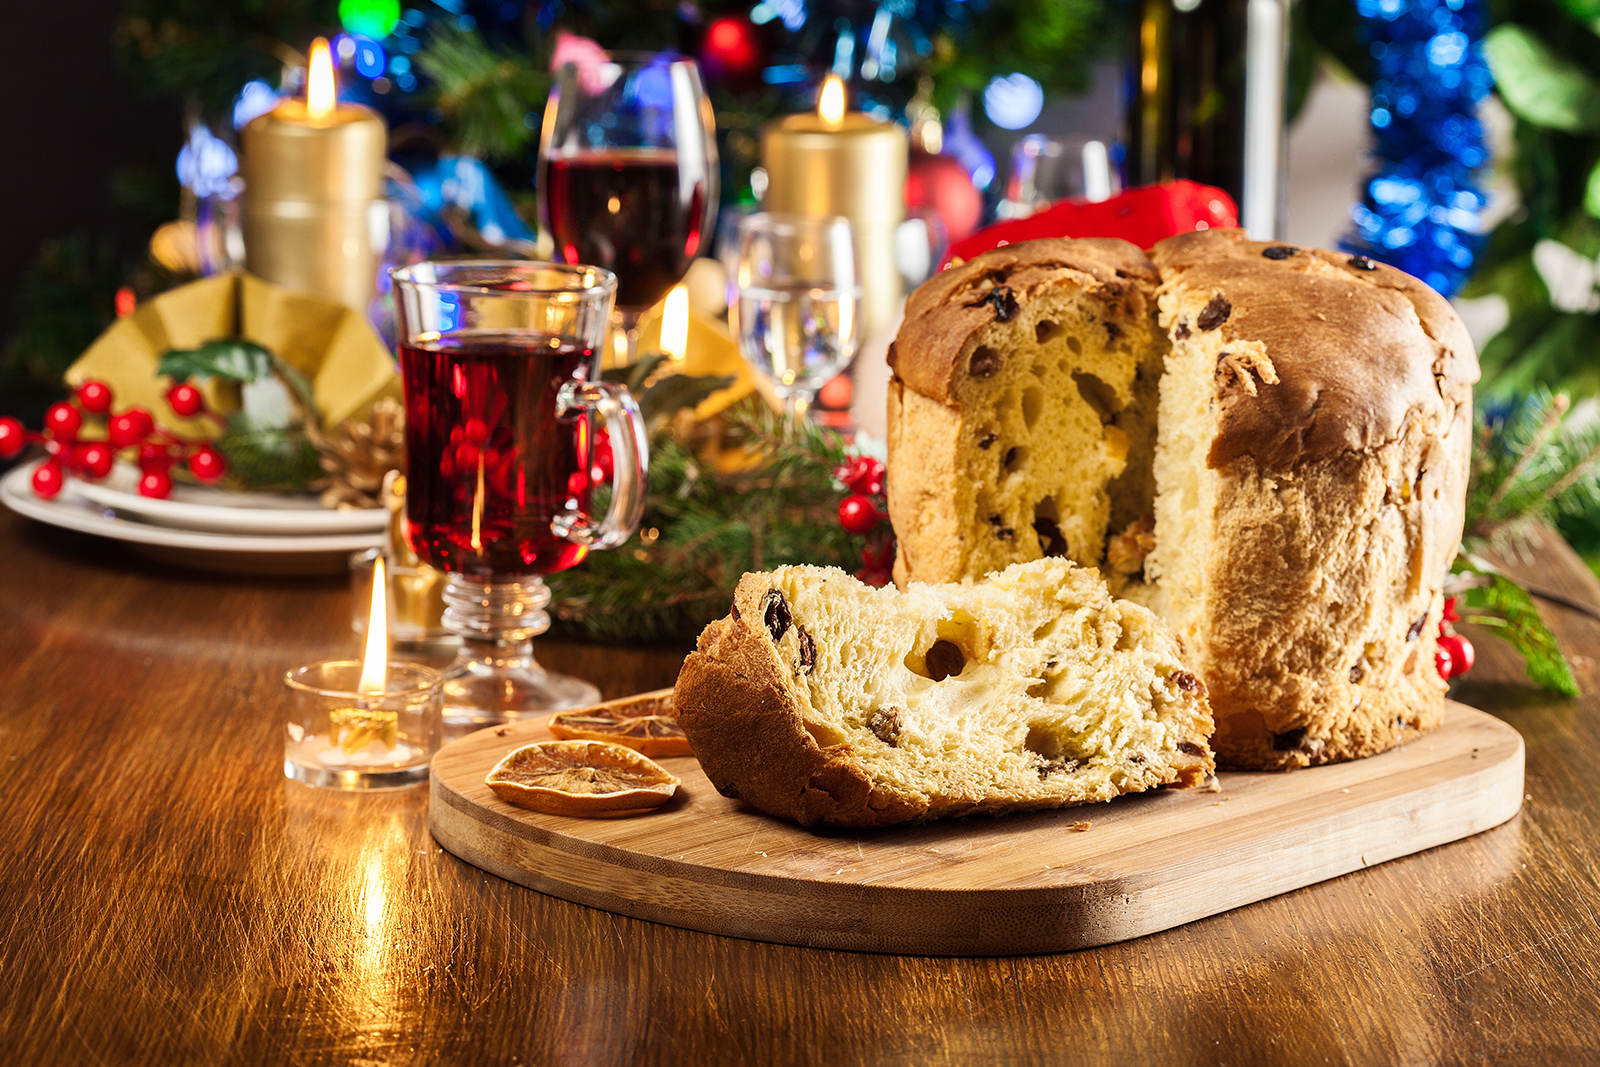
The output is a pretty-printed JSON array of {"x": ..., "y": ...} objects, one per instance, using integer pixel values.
[
  {"x": 835, "y": 162},
  {"x": 314, "y": 218}
]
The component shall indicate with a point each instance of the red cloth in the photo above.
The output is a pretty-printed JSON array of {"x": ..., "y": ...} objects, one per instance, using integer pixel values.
[{"x": 1144, "y": 216}]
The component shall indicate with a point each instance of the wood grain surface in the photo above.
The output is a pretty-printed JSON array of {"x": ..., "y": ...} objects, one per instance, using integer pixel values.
[
  {"x": 166, "y": 897},
  {"x": 1037, "y": 882}
]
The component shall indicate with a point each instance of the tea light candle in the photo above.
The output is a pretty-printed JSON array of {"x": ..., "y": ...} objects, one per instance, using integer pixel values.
[
  {"x": 313, "y": 215},
  {"x": 840, "y": 162},
  {"x": 370, "y": 725}
]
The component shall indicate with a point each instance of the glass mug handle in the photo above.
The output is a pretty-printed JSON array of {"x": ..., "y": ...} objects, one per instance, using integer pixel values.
[{"x": 630, "y": 463}]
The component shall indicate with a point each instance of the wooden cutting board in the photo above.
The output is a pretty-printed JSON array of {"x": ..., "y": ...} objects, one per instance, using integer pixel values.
[{"x": 1037, "y": 882}]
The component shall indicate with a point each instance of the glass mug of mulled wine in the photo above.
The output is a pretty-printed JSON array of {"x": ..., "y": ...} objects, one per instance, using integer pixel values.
[{"x": 509, "y": 429}]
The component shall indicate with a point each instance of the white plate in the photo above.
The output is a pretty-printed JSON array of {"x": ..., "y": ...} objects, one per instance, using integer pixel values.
[
  {"x": 197, "y": 507},
  {"x": 234, "y": 553}
]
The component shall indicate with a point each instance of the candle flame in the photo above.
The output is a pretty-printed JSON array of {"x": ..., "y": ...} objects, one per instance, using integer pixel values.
[
  {"x": 321, "y": 95},
  {"x": 830, "y": 102},
  {"x": 675, "y": 323},
  {"x": 375, "y": 664}
]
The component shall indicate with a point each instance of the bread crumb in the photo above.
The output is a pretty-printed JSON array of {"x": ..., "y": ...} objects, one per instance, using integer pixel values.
[
  {"x": 1081, "y": 825},
  {"x": 502, "y": 732},
  {"x": 1213, "y": 785},
  {"x": 1344, "y": 790}
]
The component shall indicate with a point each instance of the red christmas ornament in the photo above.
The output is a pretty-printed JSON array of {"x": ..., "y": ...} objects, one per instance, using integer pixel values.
[
  {"x": 63, "y": 420},
  {"x": 941, "y": 185},
  {"x": 185, "y": 400},
  {"x": 861, "y": 474},
  {"x": 207, "y": 465},
  {"x": 95, "y": 397},
  {"x": 731, "y": 50},
  {"x": 604, "y": 461},
  {"x": 13, "y": 437},
  {"x": 857, "y": 514},
  {"x": 129, "y": 428},
  {"x": 47, "y": 480},
  {"x": 1450, "y": 614},
  {"x": 155, "y": 484}
]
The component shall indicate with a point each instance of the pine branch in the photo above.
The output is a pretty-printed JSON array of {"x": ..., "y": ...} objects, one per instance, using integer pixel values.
[
  {"x": 483, "y": 91},
  {"x": 1495, "y": 601}
]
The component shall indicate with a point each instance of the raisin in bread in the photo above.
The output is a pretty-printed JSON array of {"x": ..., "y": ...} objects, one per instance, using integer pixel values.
[
  {"x": 1024, "y": 401},
  {"x": 1307, "y": 492},
  {"x": 824, "y": 700}
]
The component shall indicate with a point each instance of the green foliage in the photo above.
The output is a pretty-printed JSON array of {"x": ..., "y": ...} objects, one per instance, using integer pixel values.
[
  {"x": 483, "y": 92},
  {"x": 232, "y": 358},
  {"x": 264, "y": 450},
  {"x": 1533, "y": 463},
  {"x": 703, "y": 530},
  {"x": 1494, "y": 601},
  {"x": 1538, "y": 85},
  {"x": 203, "y": 51},
  {"x": 1545, "y": 56},
  {"x": 1051, "y": 41}
]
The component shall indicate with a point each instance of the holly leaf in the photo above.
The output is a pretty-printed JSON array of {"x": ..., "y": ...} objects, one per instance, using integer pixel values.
[
  {"x": 675, "y": 392},
  {"x": 1505, "y": 607},
  {"x": 1538, "y": 85},
  {"x": 230, "y": 358}
]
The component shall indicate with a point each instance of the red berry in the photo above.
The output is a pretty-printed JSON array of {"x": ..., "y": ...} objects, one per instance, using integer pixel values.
[
  {"x": 63, "y": 420},
  {"x": 95, "y": 459},
  {"x": 1460, "y": 653},
  {"x": 185, "y": 400},
  {"x": 95, "y": 397},
  {"x": 155, "y": 457},
  {"x": 1443, "y": 663},
  {"x": 1450, "y": 614},
  {"x": 47, "y": 480},
  {"x": 604, "y": 461},
  {"x": 155, "y": 484},
  {"x": 857, "y": 514},
  {"x": 207, "y": 464},
  {"x": 475, "y": 431},
  {"x": 861, "y": 474},
  {"x": 577, "y": 484},
  {"x": 129, "y": 428},
  {"x": 13, "y": 438}
]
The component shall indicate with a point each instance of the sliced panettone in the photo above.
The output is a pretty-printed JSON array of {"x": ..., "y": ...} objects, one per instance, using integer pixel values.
[
  {"x": 1311, "y": 447},
  {"x": 1024, "y": 401},
  {"x": 824, "y": 700}
]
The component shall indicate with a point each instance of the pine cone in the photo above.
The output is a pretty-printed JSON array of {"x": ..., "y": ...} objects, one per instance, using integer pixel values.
[{"x": 356, "y": 457}]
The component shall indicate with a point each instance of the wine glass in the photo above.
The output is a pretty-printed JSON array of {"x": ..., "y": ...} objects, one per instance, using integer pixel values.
[
  {"x": 500, "y": 362},
  {"x": 1045, "y": 169},
  {"x": 797, "y": 315},
  {"x": 628, "y": 172}
]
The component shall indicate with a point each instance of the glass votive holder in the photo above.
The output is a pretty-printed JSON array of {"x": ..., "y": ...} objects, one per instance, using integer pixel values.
[
  {"x": 343, "y": 739},
  {"x": 416, "y": 603}
]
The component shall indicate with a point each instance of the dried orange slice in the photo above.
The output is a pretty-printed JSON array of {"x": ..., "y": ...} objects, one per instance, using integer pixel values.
[
  {"x": 580, "y": 778},
  {"x": 646, "y": 723}
]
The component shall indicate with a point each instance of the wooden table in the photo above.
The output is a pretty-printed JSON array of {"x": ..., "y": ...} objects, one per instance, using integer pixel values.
[{"x": 166, "y": 897}]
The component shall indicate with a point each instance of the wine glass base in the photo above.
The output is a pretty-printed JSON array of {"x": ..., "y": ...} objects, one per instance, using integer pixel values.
[{"x": 477, "y": 694}]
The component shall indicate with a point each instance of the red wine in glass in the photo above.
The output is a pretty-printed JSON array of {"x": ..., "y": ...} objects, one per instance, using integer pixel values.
[
  {"x": 488, "y": 462},
  {"x": 625, "y": 209}
]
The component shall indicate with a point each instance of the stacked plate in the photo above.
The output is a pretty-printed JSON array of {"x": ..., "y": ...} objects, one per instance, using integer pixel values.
[{"x": 208, "y": 529}]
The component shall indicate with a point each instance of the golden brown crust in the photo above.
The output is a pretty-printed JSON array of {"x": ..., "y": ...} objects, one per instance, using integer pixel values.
[
  {"x": 737, "y": 705},
  {"x": 944, "y": 313},
  {"x": 1356, "y": 352}
]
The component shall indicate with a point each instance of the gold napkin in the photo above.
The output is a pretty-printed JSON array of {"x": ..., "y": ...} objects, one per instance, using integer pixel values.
[
  {"x": 709, "y": 352},
  {"x": 347, "y": 364}
]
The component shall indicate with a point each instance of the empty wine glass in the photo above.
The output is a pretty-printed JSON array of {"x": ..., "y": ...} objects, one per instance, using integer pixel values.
[{"x": 797, "y": 317}]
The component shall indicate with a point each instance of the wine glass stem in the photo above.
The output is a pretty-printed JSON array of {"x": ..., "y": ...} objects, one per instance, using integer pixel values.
[
  {"x": 624, "y": 350},
  {"x": 796, "y": 406}
]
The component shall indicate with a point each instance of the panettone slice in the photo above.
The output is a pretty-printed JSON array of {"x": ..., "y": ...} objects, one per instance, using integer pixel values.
[{"x": 823, "y": 700}]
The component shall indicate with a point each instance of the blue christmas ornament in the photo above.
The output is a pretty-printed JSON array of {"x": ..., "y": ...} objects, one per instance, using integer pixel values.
[
  {"x": 467, "y": 184},
  {"x": 1420, "y": 211}
]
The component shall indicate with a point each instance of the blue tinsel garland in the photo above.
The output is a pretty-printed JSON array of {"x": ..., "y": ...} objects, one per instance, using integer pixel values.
[{"x": 1420, "y": 211}]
